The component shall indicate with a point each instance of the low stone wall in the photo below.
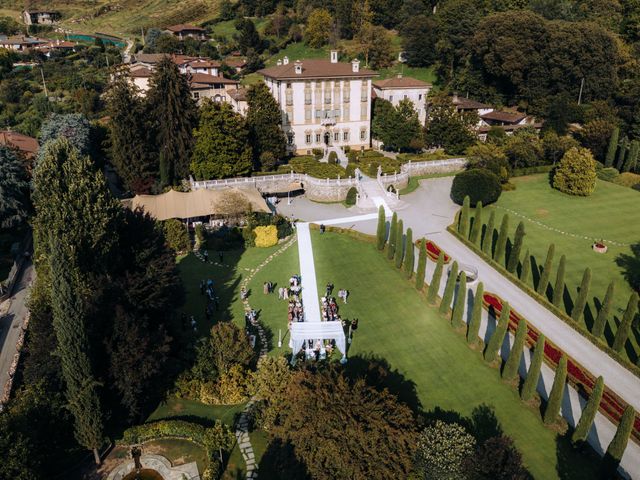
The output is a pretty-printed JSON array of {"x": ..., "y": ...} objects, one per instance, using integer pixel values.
[
  {"x": 437, "y": 166},
  {"x": 398, "y": 181},
  {"x": 329, "y": 192}
]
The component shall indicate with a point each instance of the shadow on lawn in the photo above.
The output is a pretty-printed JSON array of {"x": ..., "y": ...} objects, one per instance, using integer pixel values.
[{"x": 631, "y": 266}]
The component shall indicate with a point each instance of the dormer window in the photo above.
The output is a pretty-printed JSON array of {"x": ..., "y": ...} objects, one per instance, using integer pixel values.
[{"x": 298, "y": 67}]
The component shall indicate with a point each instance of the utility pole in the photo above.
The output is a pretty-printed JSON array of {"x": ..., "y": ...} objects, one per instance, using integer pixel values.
[
  {"x": 44, "y": 84},
  {"x": 580, "y": 94}
]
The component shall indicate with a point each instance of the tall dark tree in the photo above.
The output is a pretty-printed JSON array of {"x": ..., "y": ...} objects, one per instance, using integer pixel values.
[
  {"x": 173, "y": 116},
  {"x": 419, "y": 35},
  {"x": 516, "y": 249},
  {"x": 72, "y": 126},
  {"x": 583, "y": 296},
  {"x": 129, "y": 146},
  {"x": 409, "y": 249},
  {"x": 622, "y": 334},
  {"x": 558, "y": 289},
  {"x": 248, "y": 37},
  {"x": 381, "y": 233},
  {"x": 422, "y": 265},
  {"x": 604, "y": 312},
  {"x": 449, "y": 289},
  {"x": 512, "y": 365},
  {"x": 221, "y": 143},
  {"x": 393, "y": 231},
  {"x": 263, "y": 122},
  {"x": 497, "y": 459},
  {"x": 545, "y": 274},
  {"x": 557, "y": 392},
  {"x": 589, "y": 412},
  {"x": 14, "y": 189},
  {"x": 530, "y": 385}
]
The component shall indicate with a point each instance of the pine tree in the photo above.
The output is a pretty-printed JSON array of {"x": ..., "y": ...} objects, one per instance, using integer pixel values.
[
  {"x": 476, "y": 316},
  {"x": 476, "y": 229},
  {"x": 589, "y": 412},
  {"x": 619, "y": 442},
  {"x": 409, "y": 251},
  {"x": 458, "y": 308},
  {"x": 492, "y": 351},
  {"x": 543, "y": 282},
  {"x": 434, "y": 285},
  {"x": 558, "y": 289},
  {"x": 263, "y": 122},
  {"x": 449, "y": 288},
  {"x": 632, "y": 158},
  {"x": 625, "y": 325},
  {"x": 622, "y": 153},
  {"x": 487, "y": 240},
  {"x": 511, "y": 366},
  {"x": 422, "y": 265},
  {"x": 581, "y": 301},
  {"x": 501, "y": 244},
  {"x": 463, "y": 227},
  {"x": 557, "y": 392},
  {"x": 531, "y": 381},
  {"x": 605, "y": 310},
  {"x": 613, "y": 147},
  {"x": 14, "y": 189},
  {"x": 399, "y": 255},
  {"x": 381, "y": 233},
  {"x": 525, "y": 273},
  {"x": 173, "y": 115},
  {"x": 514, "y": 255},
  {"x": 393, "y": 231}
]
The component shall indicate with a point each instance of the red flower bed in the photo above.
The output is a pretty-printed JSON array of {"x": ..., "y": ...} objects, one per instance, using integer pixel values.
[
  {"x": 611, "y": 405},
  {"x": 433, "y": 251}
]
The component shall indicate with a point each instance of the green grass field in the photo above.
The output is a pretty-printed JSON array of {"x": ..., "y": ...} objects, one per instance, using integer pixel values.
[{"x": 611, "y": 213}]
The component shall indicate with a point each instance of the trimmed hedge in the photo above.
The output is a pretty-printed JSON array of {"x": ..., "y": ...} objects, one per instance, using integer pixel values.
[
  {"x": 351, "y": 196},
  {"x": 478, "y": 184},
  {"x": 219, "y": 436}
]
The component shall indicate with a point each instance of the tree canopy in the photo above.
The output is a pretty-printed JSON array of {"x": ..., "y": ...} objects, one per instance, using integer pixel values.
[{"x": 14, "y": 189}]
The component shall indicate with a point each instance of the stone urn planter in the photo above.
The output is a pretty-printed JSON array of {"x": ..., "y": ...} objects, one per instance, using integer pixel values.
[{"x": 599, "y": 247}]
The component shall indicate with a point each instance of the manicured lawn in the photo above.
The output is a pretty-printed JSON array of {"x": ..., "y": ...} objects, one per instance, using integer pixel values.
[
  {"x": 180, "y": 407},
  {"x": 298, "y": 51},
  {"x": 611, "y": 213},
  {"x": 424, "y": 74},
  {"x": 397, "y": 326}
]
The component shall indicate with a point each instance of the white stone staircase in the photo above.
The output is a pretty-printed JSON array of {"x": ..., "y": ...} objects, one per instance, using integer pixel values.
[
  {"x": 372, "y": 196},
  {"x": 342, "y": 157}
]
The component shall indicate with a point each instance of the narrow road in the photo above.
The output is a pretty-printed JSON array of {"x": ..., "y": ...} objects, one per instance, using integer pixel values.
[{"x": 12, "y": 313}]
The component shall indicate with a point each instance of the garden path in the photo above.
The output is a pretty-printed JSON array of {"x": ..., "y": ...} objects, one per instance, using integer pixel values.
[{"x": 308, "y": 274}]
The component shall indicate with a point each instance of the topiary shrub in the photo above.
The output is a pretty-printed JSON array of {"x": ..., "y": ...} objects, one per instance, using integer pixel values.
[
  {"x": 372, "y": 169},
  {"x": 479, "y": 184},
  {"x": 317, "y": 153},
  {"x": 351, "y": 170},
  {"x": 576, "y": 174},
  {"x": 333, "y": 157},
  {"x": 177, "y": 236},
  {"x": 352, "y": 156},
  {"x": 351, "y": 196},
  {"x": 608, "y": 174},
  {"x": 266, "y": 236}
]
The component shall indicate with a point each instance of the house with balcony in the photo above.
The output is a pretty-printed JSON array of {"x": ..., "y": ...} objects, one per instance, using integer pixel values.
[
  {"x": 218, "y": 89},
  {"x": 183, "y": 30},
  {"x": 324, "y": 103},
  {"x": 400, "y": 88}
]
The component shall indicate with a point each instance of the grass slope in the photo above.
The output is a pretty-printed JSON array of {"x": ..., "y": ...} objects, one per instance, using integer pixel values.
[{"x": 610, "y": 213}]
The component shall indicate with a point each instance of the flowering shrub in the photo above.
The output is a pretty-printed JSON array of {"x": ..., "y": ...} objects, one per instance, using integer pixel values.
[{"x": 266, "y": 236}]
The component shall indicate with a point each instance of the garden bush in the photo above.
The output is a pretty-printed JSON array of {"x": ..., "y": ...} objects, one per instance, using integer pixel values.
[
  {"x": 317, "y": 153},
  {"x": 576, "y": 174},
  {"x": 351, "y": 169},
  {"x": 266, "y": 236},
  {"x": 201, "y": 237},
  {"x": 371, "y": 154},
  {"x": 313, "y": 167},
  {"x": 333, "y": 157},
  {"x": 351, "y": 196},
  {"x": 478, "y": 184},
  {"x": 628, "y": 179},
  {"x": 608, "y": 174},
  {"x": 177, "y": 235}
]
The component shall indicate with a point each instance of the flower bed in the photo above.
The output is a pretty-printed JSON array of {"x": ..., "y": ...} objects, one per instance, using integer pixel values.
[
  {"x": 611, "y": 405},
  {"x": 599, "y": 247},
  {"x": 433, "y": 252}
]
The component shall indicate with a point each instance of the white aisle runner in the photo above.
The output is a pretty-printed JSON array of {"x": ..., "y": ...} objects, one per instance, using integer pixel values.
[{"x": 310, "y": 301}]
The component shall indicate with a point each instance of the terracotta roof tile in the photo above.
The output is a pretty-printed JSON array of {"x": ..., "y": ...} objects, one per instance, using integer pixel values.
[
  {"x": 28, "y": 145},
  {"x": 315, "y": 69},
  {"x": 185, "y": 26},
  {"x": 400, "y": 82},
  {"x": 206, "y": 79},
  {"x": 506, "y": 117}
]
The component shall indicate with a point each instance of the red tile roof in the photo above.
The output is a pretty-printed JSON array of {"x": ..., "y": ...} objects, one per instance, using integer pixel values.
[
  {"x": 181, "y": 27},
  {"x": 27, "y": 145},
  {"x": 206, "y": 79},
  {"x": 238, "y": 94},
  {"x": 315, "y": 69},
  {"x": 506, "y": 117},
  {"x": 400, "y": 82},
  {"x": 141, "y": 73}
]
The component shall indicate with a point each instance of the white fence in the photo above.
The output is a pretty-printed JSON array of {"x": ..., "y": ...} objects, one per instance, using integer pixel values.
[{"x": 268, "y": 179}]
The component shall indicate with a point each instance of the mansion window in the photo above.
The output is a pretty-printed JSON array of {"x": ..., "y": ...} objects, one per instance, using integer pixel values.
[
  {"x": 363, "y": 134},
  {"x": 196, "y": 95},
  {"x": 391, "y": 98},
  {"x": 308, "y": 138},
  {"x": 336, "y": 137},
  {"x": 327, "y": 99},
  {"x": 317, "y": 138},
  {"x": 345, "y": 136},
  {"x": 288, "y": 84},
  {"x": 289, "y": 99}
]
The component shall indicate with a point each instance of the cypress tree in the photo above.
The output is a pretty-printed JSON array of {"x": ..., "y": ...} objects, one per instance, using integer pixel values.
[
  {"x": 263, "y": 122},
  {"x": 476, "y": 229},
  {"x": 589, "y": 413},
  {"x": 409, "y": 254},
  {"x": 463, "y": 227},
  {"x": 531, "y": 381},
  {"x": 622, "y": 153},
  {"x": 434, "y": 286},
  {"x": 525, "y": 273},
  {"x": 558, "y": 289},
  {"x": 399, "y": 255},
  {"x": 512, "y": 364},
  {"x": 476, "y": 316},
  {"x": 613, "y": 147},
  {"x": 497, "y": 338},
  {"x": 543, "y": 282},
  {"x": 487, "y": 241},
  {"x": 381, "y": 233},
  {"x": 514, "y": 255},
  {"x": 447, "y": 296},
  {"x": 422, "y": 265},
  {"x": 603, "y": 315},
  {"x": 557, "y": 392},
  {"x": 625, "y": 326},
  {"x": 501, "y": 244},
  {"x": 458, "y": 308},
  {"x": 393, "y": 230},
  {"x": 581, "y": 301},
  {"x": 632, "y": 158},
  {"x": 619, "y": 442}
]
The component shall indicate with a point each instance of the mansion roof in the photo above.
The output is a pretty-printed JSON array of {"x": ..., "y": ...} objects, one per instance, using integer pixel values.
[
  {"x": 315, "y": 69},
  {"x": 400, "y": 82}
]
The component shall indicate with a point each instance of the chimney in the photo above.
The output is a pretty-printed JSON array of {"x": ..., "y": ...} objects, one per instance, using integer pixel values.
[
  {"x": 334, "y": 56},
  {"x": 399, "y": 75},
  {"x": 298, "y": 67},
  {"x": 454, "y": 99},
  {"x": 355, "y": 65},
  {"x": 279, "y": 62},
  {"x": 285, "y": 61}
]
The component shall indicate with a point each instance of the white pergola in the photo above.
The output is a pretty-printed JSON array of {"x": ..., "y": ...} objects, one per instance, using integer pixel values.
[{"x": 301, "y": 331}]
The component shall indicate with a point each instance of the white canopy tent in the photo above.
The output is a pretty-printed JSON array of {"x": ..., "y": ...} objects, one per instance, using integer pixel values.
[{"x": 301, "y": 331}]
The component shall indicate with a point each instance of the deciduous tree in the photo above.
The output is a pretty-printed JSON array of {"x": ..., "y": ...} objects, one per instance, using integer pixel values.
[
  {"x": 319, "y": 27},
  {"x": 442, "y": 451},
  {"x": 263, "y": 123}
]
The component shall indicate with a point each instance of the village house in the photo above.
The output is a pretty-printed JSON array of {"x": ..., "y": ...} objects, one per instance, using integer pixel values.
[
  {"x": 26, "y": 147},
  {"x": 238, "y": 100},
  {"x": 20, "y": 43},
  {"x": 400, "y": 88},
  {"x": 324, "y": 103},
  {"x": 463, "y": 104},
  {"x": 507, "y": 121},
  {"x": 183, "y": 31},
  {"x": 40, "y": 17},
  {"x": 56, "y": 46},
  {"x": 216, "y": 88}
]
